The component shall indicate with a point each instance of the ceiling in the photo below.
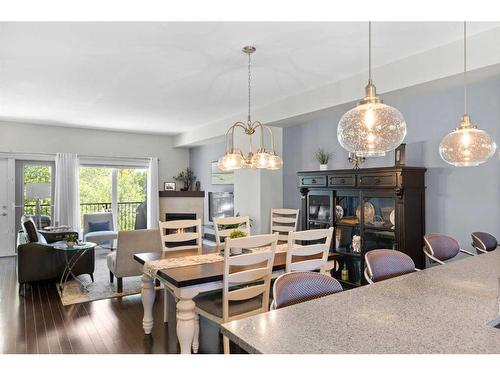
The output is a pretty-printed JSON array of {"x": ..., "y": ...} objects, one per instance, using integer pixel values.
[{"x": 174, "y": 77}]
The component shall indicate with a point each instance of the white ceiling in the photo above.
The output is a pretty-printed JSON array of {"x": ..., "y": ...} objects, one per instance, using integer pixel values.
[{"x": 174, "y": 77}]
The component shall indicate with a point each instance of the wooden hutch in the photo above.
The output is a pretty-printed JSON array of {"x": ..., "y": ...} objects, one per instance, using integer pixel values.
[{"x": 393, "y": 216}]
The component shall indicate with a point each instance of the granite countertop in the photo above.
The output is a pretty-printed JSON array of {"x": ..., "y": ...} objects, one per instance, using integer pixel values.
[{"x": 443, "y": 309}]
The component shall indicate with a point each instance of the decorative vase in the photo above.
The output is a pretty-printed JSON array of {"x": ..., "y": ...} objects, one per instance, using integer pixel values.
[
  {"x": 323, "y": 167},
  {"x": 70, "y": 244}
]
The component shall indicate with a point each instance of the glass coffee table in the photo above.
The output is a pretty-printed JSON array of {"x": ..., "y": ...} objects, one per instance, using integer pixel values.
[{"x": 72, "y": 255}]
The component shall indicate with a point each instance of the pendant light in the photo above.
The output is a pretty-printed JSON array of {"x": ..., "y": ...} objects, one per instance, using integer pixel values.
[
  {"x": 372, "y": 128},
  {"x": 233, "y": 158},
  {"x": 466, "y": 146}
]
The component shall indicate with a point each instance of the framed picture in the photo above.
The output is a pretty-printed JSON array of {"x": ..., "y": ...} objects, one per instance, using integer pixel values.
[
  {"x": 221, "y": 177},
  {"x": 169, "y": 186}
]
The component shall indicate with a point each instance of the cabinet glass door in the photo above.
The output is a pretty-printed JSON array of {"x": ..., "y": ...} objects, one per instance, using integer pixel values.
[
  {"x": 379, "y": 219},
  {"x": 319, "y": 209}
]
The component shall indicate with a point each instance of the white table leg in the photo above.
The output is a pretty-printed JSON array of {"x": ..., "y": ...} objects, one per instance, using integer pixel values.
[
  {"x": 185, "y": 324},
  {"x": 196, "y": 342},
  {"x": 148, "y": 300}
]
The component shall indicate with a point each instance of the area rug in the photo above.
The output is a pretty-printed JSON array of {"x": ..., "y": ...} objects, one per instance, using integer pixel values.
[{"x": 101, "y": 288}]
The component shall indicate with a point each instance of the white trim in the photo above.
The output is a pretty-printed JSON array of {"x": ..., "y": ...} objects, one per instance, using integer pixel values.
[
  {"x": 11, "y": 202},
  {"x": 113, "y": 162},
  {"x": 28, "y": 156}
]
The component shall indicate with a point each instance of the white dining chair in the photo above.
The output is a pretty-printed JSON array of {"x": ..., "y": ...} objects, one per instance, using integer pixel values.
[
  {"x": 245, "y": 289},
  {"x": 225, "y": 225},
  {"x": 175, "y": 233},
  {"x": 284, "y": 220},
  {"x": 322, "y": 239}
]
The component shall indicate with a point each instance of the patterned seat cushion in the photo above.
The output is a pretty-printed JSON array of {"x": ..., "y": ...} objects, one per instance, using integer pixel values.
[
  {"x": 441, "y": 246},
  {"x": 385, "y": 264},
  {"x": 484, "y": 241},
  {"x": 297, "y": 287}
]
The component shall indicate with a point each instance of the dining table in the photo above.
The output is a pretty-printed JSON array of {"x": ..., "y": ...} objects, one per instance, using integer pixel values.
[
  {"x": 448, "y": 309},
  {"x": 186, "y": 274}
]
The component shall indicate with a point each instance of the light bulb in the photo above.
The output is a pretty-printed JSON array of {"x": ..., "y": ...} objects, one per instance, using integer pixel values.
[{"x": 232, "y": 160}]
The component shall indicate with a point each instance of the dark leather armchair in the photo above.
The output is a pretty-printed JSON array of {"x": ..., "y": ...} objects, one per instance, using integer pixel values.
[{"x": 37, "y": 260}]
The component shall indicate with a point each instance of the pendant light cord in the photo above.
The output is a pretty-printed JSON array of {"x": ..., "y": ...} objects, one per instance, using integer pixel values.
[
  {"x": 249, "y": 87},
  {"x": 465, "y": 67},
  {"x": 369, "y": 51}
]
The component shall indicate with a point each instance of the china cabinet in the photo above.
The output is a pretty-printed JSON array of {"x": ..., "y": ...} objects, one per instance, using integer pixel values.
[{"x": 371, "y": 208}]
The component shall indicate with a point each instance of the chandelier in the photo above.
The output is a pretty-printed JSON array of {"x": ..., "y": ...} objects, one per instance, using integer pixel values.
[
  {"x": 467, "y": 145},
  {"x": 372, "y": 128},
  {"x": 261, "y": 159}
]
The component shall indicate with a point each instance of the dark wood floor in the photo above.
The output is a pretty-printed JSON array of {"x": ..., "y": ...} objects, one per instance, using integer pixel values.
[{"x": 38, "y": 322}]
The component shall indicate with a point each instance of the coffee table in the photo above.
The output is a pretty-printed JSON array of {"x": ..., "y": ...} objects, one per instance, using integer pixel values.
[{"x": 72, "y": 255}]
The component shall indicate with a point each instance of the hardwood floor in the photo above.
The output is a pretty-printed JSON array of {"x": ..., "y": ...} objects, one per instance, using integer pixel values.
[{"x": 38, "y": 323}]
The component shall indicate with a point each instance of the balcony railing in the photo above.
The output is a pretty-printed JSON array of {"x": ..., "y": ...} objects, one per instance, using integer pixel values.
[{"x": 126, "y": 211}]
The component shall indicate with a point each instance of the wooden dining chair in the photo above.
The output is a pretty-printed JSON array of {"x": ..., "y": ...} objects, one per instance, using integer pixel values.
[
  {"x": 440, "y": 247},
  {"x": 283, "y": 221},
  {"x": 246, "y": 284},
  {"x": 178, "y": 235},
  {"x": 225, "y": 225},
  {"x": 319, "y": 250},
  {"x": 383, "y": 264}
]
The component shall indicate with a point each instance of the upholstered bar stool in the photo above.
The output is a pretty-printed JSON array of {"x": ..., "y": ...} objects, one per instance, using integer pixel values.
[
  {"x": 383, "y": 264},
  {"x": 483, "y": 242},
  {"x": 297, "y": 287},
  {"x": 440, "y": 247}
]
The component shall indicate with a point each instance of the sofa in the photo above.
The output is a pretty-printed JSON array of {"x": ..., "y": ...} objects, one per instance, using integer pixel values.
[{"x": 37, "y": 260}]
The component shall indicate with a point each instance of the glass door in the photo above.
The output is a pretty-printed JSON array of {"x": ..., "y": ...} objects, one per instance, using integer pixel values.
[
  {"x": 379, "y": 218},
  {"x": 319, "y": 210}
]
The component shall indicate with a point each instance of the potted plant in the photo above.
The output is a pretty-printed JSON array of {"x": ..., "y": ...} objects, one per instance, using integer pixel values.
[
  {"x": 187, "y": 177},
  {"x": 322, "y": 156},
  {"x": 236, "y": 234},
  {"x": 71, "y": 239}
]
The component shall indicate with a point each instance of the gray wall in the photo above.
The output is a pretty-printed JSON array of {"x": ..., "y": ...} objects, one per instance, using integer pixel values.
[
  {"x": 458, "y": 200},
  {"x": 200, "y": 159},
  {"x": 29, "y": 138}
]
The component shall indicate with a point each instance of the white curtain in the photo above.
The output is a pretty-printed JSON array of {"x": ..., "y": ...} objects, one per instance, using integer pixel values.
[
  {"x": 67, "y": 192},
  {"x": 153, "y": 195}
]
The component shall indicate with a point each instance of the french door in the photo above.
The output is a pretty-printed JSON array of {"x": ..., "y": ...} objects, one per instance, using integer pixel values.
[{"x": 7, "y": 237}]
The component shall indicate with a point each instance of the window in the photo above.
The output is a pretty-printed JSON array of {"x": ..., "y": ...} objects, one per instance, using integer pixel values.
[{"x": 121, "y": 190}]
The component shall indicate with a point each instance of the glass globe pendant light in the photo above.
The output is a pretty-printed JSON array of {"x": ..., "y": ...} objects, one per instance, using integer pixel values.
[
  {"x": 262, "y": 159},
  {"x": 372, "y": 128},
  {"x": 466, "y": 146}
]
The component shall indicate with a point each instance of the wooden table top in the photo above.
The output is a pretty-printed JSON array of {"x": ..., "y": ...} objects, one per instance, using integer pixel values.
[{"x": 200, "y": 273}]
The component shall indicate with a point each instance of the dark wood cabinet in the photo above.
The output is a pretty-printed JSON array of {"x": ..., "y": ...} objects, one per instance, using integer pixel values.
[{"x": 369, "y": 208}]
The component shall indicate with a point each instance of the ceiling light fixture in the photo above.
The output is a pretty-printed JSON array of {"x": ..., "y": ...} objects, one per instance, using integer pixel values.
[
  {"x": 466, "y": 146},
  {"x": 233, "y": 158},
  {"x": 372, "y": 128}
]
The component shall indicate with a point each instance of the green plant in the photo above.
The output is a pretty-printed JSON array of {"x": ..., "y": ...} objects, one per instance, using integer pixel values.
[
  {"x": 71, "y": 237},
  {"x": 187, "y": 177},
  {"x": 322, "y": 156},
  {"x": 237, "y": 234}
]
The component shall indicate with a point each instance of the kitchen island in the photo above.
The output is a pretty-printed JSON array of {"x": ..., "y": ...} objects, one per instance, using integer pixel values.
[{"x": 443, "y": 309}]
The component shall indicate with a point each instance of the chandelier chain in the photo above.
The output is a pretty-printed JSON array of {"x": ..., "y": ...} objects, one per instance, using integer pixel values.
[
  {"x": 370, "y": 51},
  {"x": 249, "y": 87},
  {"x": 465, "y": 67}
]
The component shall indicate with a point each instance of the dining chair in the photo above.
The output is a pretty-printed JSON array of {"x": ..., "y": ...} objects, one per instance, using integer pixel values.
[
  {"x": 483, "y": 242},
  {"x": 283, "y": 221},
  {"x": 225, "y": 225},
  {"x": 98, "y": 227},
  {"x": 179, "y": 235},
  {"x": 297, "y": 287},
  {"x": 440, "y": 247},
  {"x": 322, "y": 239},
  {"x": 246, "y": 283},
  {"x": 383, "y": 264}
]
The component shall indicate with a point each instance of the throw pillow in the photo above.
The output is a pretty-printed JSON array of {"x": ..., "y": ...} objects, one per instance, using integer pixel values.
[
  {"x": 98, "y": 226},
  {"x": 30, "y": 231}
]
